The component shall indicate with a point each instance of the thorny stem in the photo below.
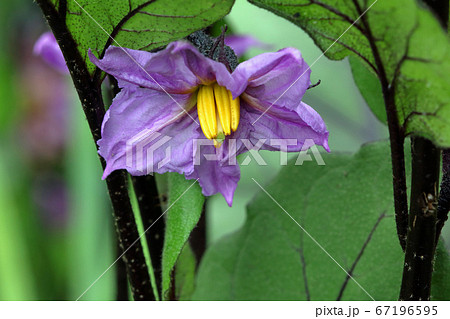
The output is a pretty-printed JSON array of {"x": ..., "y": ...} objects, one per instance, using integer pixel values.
[
  {"x": 90, "y": 96},
  {"x": 444, "y": 195},
  {"x": 121, "y": 277},
  {"x": 420, "y": 245},
  {"x": 150, "y": 209},
  {"x": 397, "y": 139},
  {"x": 441, "y": 9},
  {"x": 422, "y": 232}
]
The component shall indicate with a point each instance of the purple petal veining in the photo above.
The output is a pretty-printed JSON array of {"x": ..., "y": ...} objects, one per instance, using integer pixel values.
[{"x": 158, "y": 97}]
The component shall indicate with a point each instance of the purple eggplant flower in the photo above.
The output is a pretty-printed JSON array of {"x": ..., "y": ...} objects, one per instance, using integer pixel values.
[
  {"x": 47, "y": 101},
  {"x": 47, "y": 47},
  {"x": 177, "y": 99},
  {"x": 242, "y": 43}
]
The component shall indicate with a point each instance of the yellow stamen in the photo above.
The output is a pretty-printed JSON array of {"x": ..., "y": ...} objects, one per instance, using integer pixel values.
[
  {"x": 217, "y": 125},
  {"x": 207, "y": 111},
  {"x": 223, "y": 107},
  {"x": 235, "y": 109},
  {"x": 201, "y": 116}
]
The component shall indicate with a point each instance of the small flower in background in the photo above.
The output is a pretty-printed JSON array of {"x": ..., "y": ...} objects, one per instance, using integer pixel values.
[
  {"x": 242, "y": 43},
  {"x": 47, "y": 48},
  {"x": 42, "y": 130},
  {"x": 227, "y": 105}
]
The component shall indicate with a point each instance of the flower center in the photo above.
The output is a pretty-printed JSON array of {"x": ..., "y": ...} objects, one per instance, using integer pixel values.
[{"x": 217, "y": 111}]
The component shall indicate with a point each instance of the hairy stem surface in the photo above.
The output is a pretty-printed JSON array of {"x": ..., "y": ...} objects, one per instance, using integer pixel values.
[
  {"x": 422, "y": 226},
  {"x": 150, "y": 209},
  {"x": 420, "y": 245},
  {"x": 89, "y": 93}
]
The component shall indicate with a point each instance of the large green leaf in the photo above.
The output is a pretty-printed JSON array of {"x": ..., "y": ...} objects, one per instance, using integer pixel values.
[
  {"x": 271, "y": 258},
  {"x": 137, "y": 24},
  {"x": 370, "y": 88},
  {"x": 400, "y": 40},
  {"x": 183, "y": 212}
]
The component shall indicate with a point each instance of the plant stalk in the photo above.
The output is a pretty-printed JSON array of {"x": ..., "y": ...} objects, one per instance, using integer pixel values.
[
  {"x": 150, "y": 209},
  {"x": 121, "y": 277},
  {"x": 422, "y": 227},
  {"x": 420, "y": 244},
  {"x": 90, "y": 96},
  {"x": 441, "y": 10},
  {"x": 444, "y": 195}
]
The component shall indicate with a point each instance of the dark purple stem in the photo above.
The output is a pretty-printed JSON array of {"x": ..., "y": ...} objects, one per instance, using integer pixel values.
[
  {"x": 444, "y": 195},
  {"x": 90, "y": 95},
  {"x": 420, "y": 243},
  {"x": 150, "y": 209},
  {"x": 422, "y": 231},
  {"x": 441, "y": 9},
  {"x": 121, "y": 277}
]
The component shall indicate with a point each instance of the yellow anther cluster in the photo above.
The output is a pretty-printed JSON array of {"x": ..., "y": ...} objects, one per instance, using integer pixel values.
[{"x": 217, "y": 111}]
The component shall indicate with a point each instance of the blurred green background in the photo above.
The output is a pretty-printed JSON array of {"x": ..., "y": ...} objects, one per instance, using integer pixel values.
[{"x": 56, "y": 232}]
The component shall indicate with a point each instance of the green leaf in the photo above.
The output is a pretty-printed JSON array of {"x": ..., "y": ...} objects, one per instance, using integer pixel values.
[
  {"x": 440, "y": 288},
  {"x": 271, "y": 258},
  {"x": 185, "y": 274},
  {"x": 370, "y": 88},
  {"x": 138, "y": 24},
  {"x": 325, "y": 22},
  {"x": 184, "y": 210},
  {"x": 399, "y": 40}
]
